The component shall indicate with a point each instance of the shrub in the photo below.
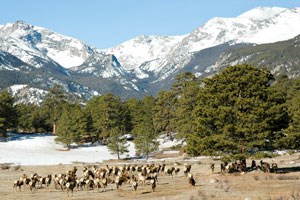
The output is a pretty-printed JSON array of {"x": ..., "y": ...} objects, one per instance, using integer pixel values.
[
  {"x": 5, "y": 166},
  {"x": 263, "y": 154}
]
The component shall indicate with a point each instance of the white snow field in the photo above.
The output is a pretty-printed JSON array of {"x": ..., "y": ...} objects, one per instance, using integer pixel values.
[{"x": 41, "y": 149}]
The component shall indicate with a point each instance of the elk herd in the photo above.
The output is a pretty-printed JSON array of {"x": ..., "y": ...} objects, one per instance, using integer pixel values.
[
  {"x": 241, "y": 166},
  {"x": 99, "y": 177},
  {"x": 133, "y": 175}
]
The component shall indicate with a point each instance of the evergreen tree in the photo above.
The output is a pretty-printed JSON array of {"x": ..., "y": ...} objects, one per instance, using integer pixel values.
[
  {"x": 145, "y": 141},
  {"x": 126, "y": 118},
  {"x": 53, "y": 105},
  {"x": 279, "y": 118},
  {"x": 148, "y": 104},
  {"x": 164, "y": 112},
  {"x": 8, "y": 113},
  {"x": 288, "y": 89},
  {"x": 25, "y": 117},
  {"x": 2, "y": 127},
  {"x": 72, "y": 126},
  {"x": 106, "y": 112},
  {"x": 133, "y": 107},
  {"x": 235, "y": 112},
  {"x": 185, "y": 89},
  {"x": 32, "y": 118},
  {"x": 117, "y": 143},
  {"x": 40, "y": 120},
  {"x": 291, "y": 135}
]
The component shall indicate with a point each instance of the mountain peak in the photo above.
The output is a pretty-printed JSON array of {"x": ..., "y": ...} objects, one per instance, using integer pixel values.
[
  {"x": 262, "y": 12},
  {"x": 22, "y": 25},
  {"x": 21, "y": 22},
  {"x": 16, "y": 29}
]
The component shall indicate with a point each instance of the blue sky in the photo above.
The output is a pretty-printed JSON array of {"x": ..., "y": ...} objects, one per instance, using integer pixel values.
[{"x": 105, "y": 23}]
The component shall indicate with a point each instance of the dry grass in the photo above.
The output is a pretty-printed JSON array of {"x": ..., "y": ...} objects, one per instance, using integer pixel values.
[{"x": 216, "y": 186}]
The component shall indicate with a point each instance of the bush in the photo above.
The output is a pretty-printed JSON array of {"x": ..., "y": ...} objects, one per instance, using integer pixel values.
[
  {"x": 176, "y": 147},
  {"x": 263, "y": 154},
  {"x": 5, "y": 166}
]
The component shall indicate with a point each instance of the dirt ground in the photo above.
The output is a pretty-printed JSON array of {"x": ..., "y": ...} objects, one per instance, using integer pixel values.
[{"x": 255, "y": 185}]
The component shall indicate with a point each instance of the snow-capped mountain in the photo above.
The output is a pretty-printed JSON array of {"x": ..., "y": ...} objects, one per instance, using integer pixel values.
[
  {"x": 53, "y": 58},
  {"x": 101, "y": 65},
  {"x": 260, "y": 25},
  {"x": 262, "y": 12},
  {"x": 39, "y": 58},
  {"x": 280, "y": 57},
  {"x": 135, "y": 52},
  {"x": 27, "y": 41}
]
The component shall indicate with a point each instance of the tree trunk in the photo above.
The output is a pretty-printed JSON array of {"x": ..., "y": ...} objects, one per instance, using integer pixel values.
[
  {"x": 2, "y": 131},
  {"x": 118, "y": 152},
  {"x": 54, "y": 129}
]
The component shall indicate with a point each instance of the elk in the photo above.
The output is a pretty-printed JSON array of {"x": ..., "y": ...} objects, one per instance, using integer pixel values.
[
  {"x": 153, "y": 184},
  {"x": 265, "y": 166},
  {"x": 18, "y": 183},
  {"x": 134, "y": 183},
  {"x": 191, "y": 179},
  {"x": 70, "y": 187},
  {"x": 212, "y": 166},
  {"x": 187, "y": 169}
]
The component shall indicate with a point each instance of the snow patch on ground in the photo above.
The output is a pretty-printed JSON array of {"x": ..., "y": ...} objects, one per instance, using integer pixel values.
[
  {"x": 41, "y": 149},
  {"x": 165, "y": 142}
]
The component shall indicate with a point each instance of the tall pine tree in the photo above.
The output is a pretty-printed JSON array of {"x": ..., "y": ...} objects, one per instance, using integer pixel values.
[
  {"x": 146, "y": 136},
  {"x": 53, "y": 105},
  {"x": 235, "y": 112},
  {"x": 72, "y": 126},
  {"x": 117, "y": 144},
  {"x": 163, "y": 118},
  {"x": 8, "y": 113},
  {"x": 106, "y": 112},
  {"x": 185, "y": 90}
]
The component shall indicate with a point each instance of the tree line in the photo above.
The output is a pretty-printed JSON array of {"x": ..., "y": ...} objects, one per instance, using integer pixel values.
[{"x": 241, "y": 109}]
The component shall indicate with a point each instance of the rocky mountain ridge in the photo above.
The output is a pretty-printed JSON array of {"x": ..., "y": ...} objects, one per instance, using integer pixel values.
[{"x": 40, "y": 58}]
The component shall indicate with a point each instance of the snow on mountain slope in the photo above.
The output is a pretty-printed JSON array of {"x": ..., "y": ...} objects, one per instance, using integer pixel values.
[
  {"x": 25, "y": 94},
  {"x": 165, "y": 54},
  {"x": 18, "y": 39},
  {"x": 67, "y": 51},
  {"x": 27, "y": 42},
  {"x": 216, "y": 31},
  {"x": 146, "y": 54},
  {"x": 262, "y": 12},
  {"x": 136, "y": 51},
  {"x": 101, "y": 65},
  {"x": 11, "y": 63},
  {"x": 137, "y": 63},
  {"x": 35, "y": 47},
  {"x": 280, "y": 25},
  {"x": 16, "y": 88}
]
